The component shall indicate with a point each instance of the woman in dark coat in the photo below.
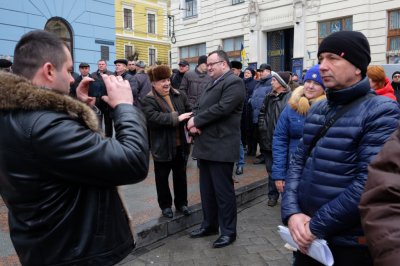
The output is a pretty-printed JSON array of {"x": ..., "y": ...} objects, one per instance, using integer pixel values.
[{"x": 166, "y": 111}]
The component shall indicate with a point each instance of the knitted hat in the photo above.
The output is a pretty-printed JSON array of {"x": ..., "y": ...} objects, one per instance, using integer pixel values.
[
  {"x": 282, "y": 77},
  {"x": 159, "y": 73},
  {"x": 202, "y": 60},
  {"x": 394, "y": 73},
  {"x": 351, "y": 45},
  {"x": 313, "y": 74}
]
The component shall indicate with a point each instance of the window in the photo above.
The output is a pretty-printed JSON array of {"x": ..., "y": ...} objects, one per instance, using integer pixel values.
[
  {"x": 127, "y": 18},
  {"x": 190, "y": 8},
  {"x": 233, "y": 47},
  {"x": 191, "y": 53},
  {"x": 152, "y": 56},
  {"x": 128, "y": 51},
  {"x": 105, "y": 52},
  {"x": 60, "y": 27},
  {"x": 330, "y": 26},
  {"x": 151, "y": 23},
  {"x": 234, "y": 2},
  {"x": 393, "y": 39}
]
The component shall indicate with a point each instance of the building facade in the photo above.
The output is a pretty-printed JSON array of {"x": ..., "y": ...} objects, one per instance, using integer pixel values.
[
  {"x": 87, "y": 26},
  {"x": 283, "y": 33},
  {"x": 143, "y": 30}
]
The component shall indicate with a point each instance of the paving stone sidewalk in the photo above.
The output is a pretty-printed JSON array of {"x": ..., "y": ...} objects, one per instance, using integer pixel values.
[{"x": 258, "y": 243}]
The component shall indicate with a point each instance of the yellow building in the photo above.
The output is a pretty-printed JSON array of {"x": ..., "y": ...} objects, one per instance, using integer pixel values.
[{"x": 142, "y": 30}]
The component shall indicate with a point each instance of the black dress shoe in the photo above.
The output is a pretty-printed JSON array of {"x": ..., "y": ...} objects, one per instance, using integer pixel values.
[
  {"x": 223, "y": 241},
  {"x": 239, "y": 170},
  {"x": 200, "y": 232},
  {"x": 272, "y": 202},
  {"x": 259, "y": 161},
  {"x": 185, "y": 210},
  {"x": 167, "y": 212}
]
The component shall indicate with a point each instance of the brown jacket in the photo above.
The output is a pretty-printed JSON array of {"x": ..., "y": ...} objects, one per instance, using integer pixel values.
[{"x": 380, "y": 204}]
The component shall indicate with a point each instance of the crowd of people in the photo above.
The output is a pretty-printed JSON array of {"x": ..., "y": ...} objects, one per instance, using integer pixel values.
[{"x": 68, "y": 141}]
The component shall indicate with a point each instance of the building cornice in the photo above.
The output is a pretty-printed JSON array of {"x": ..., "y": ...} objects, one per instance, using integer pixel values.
[{"x": 131, "y": 38}]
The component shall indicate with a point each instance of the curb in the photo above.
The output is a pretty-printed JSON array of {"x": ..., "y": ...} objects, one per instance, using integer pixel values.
[{"x": 159, "y": 228}]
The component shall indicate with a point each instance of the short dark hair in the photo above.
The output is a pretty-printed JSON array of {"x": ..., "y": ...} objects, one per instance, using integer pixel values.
[
  {"x": 222, "y": 55},
  {"x": 34, "y": 49}
]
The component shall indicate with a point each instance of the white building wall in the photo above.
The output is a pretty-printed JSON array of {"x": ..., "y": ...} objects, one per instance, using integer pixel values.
[
  {"x": 369, "y": 17},
  {"x": 219, "y": 19}
]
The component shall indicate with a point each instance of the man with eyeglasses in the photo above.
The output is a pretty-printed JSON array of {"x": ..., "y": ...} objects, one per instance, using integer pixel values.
[
  {"x": 216, "y": 126},
  {"x": 396, "y": 84}
]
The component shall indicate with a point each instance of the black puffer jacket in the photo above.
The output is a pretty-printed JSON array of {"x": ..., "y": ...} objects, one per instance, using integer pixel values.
[
  {"x": 59, "y": 176},
  {"x": 163, "y": 123},
  {"x": 269, "y": 113}
]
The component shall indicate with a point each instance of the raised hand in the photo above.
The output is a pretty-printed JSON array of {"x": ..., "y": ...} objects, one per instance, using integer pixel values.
[
  {"x": 118, "y": 91},
  {"x": 82, "y": 91}
]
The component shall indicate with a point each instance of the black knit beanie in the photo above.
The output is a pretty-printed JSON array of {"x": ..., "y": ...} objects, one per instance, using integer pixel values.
[{"x": 351, "y": 45}]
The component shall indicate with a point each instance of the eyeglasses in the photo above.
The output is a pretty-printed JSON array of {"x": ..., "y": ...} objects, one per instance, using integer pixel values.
[
  {"x": 212, "y": 64},
  {"x": 396, "y": 76}
]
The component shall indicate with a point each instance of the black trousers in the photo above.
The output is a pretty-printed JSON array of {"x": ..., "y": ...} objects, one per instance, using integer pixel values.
[
  {"x": 342, "y": 256},
  {"x": 161, "y": 171},
  {"x": 272, "y": 191},
  {"x": 252, "y": 140},
  {"x": 218, "y": 197}
]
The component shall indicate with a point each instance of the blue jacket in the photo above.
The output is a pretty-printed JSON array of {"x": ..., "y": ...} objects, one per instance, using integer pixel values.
[
  {"x": 287, "y": 134},
  {"x": 262, "y": 88},
  {"x": 327, "y": 185}
]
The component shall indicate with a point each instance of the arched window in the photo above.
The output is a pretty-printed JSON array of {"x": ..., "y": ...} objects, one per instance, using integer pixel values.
[{"x": 62, "y": 29}]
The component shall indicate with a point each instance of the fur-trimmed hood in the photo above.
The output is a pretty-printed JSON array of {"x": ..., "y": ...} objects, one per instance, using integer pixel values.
[
  {"x": 18, "y": 93},
  {"x": 300, "y": 103}
]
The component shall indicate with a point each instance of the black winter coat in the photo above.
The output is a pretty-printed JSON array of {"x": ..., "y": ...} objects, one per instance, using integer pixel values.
[
  {"x": 59, "y": 176},
  {"x": 162, "y": 124},
  {"x": 271, "y": 109},
  {"x": 218, "y": 117}
]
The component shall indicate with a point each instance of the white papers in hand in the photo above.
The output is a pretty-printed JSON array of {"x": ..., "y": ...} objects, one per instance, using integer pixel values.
[{"x": 318, "y": 249}]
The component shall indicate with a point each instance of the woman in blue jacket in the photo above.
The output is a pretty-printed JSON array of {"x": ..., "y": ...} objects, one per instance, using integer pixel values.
[{"x": 289, "y": 128}]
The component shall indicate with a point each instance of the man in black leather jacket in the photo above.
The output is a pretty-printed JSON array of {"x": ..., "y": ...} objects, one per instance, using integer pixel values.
[{"x": 58, "y": 172}]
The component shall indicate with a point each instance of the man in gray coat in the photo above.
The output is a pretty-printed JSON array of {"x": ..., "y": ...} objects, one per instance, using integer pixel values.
[
  {"x": 195, "y": 81},
  {"x": 142, "y": 81},
  {"x": 216, "y": 125}
]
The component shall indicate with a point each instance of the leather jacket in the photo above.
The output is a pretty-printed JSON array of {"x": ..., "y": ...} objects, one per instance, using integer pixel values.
[
  {"x": 59, "y": 176},
  {"x": 268, "y": 117}
]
